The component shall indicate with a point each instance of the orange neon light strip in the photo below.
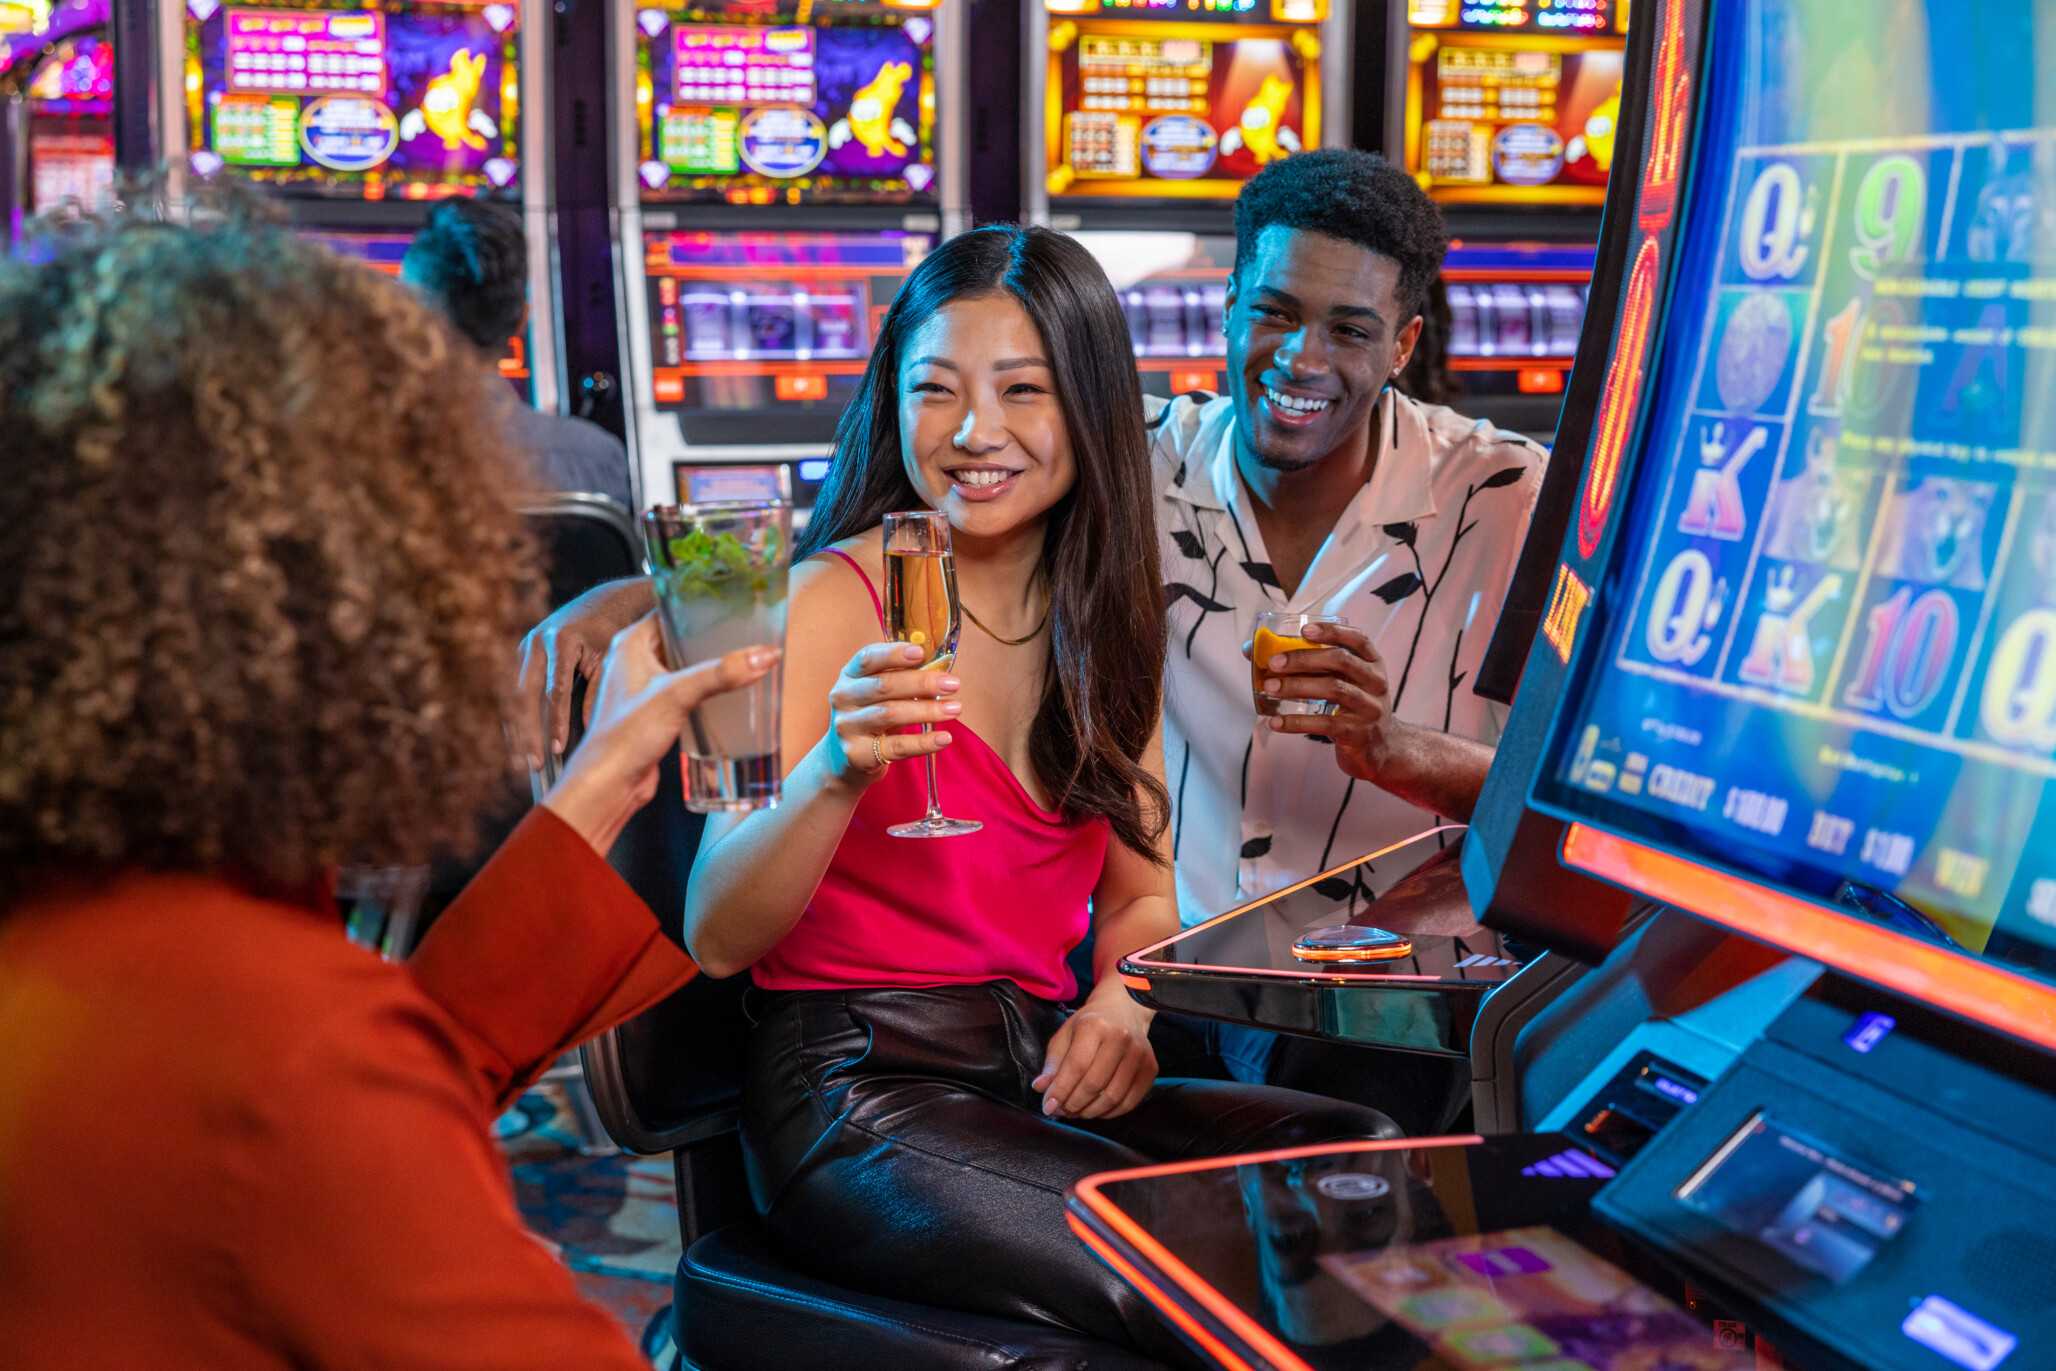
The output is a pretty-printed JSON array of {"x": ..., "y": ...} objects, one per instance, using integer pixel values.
[
  {"x": 1976, "y": 990},
  {"x": 1155, "y": 1294},
  {"x": 1252, "y": 1333},
  {"x": 1511, "y": 363}
]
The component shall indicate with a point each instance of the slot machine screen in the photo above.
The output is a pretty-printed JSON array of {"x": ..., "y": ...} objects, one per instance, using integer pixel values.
[
  {"x": 385, "y": 252},
  {"x": 1515, "y": 101},
  {"x": 400, "y": 99},
  {"x": 1186, "y": 106},
  {"x": 752, "y": 104},
  {"x": 759, "y": 337},
  {"x": 70, "y": 101},
  {"x": 1823, "y": 655}
]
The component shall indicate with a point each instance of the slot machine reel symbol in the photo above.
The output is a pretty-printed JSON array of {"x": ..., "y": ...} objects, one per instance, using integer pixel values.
[
  {"x": 1715, "y": 509},
  {"x": 1687, "y": 606},
  {"x": 1781, "y": 653},
  {"x": 1777, "y": 220}
]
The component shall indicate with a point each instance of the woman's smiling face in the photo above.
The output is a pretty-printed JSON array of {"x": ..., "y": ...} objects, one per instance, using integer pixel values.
[{"x": 982, "y": 431}]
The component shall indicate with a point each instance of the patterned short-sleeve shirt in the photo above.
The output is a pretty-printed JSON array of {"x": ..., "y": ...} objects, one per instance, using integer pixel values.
[{"x": 1420, "y": 560}]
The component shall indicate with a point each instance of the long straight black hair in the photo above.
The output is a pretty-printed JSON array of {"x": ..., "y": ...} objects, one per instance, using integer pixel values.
[{"x": 1103, "y": 693}]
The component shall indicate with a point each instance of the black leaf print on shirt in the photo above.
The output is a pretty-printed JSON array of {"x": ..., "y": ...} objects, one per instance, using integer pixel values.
[
  {"x": 1178, "y": 476},
  {"x": 1163, "y": 416},
  {"x": 1178, "y": 590},
  {"x": 1399, "y": 587},
  {"x": 1188, "y": 543},
  {"x": 1337, "y": 888},
  {"x": 1256, "y": 847},
  {"x": 1506, "y": 476},
  {"x": 1402, "y": 533},
  {"x": 1262, "y": 574}
]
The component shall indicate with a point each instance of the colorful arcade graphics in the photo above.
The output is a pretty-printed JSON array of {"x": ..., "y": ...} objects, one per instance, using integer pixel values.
[
  {"x": 745, "y": 322},
  {"x": 1177, "y": 108},
  {"x": 1513, "y": 102},
  {"x": 756, "y": 104},
  {"x": 56, "y": 110},
  {"x": 402, "y": 99},
  {"x": 1830, "y": 641},
  {"x": 1530, "y": 1298}
]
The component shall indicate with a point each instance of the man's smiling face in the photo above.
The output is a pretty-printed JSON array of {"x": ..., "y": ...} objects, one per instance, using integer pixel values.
[{"x": 1315, "y": 330}]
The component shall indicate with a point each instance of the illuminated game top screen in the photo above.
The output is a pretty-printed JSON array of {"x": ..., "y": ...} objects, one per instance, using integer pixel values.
[
  {"x": 70, "y": 139},
  {"x": 1176, "y": 108},
  {"x": 1580, "y": 17},
  {"x": 1824, "y": 653},
  {"x": 748, "y": 105},
  {"x": 391, "y": 99},
  {"x": 762, "y": 337},
  {"x": 1505, "y": 119}
]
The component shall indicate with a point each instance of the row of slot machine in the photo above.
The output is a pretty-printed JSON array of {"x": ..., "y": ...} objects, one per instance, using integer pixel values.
[{"x": 775, "y": 168}]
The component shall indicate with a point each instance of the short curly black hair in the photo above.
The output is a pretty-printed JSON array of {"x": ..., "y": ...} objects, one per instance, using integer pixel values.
[
  {"x": 471, "y": 258},
  {"x": 1356, "y": 196}
]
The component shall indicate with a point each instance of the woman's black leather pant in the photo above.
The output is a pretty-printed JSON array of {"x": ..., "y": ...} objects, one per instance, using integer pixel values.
[{"x": 894, "y": 1145}]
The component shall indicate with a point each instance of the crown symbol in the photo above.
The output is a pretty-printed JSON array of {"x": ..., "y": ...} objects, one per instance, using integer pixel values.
[
  {"x": 1713, "y": 444},
  {"x": 1782, "y": 592}
]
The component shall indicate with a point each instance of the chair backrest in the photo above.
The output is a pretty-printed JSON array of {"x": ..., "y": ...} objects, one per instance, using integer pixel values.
[
  {"x": 672, "y": 1076},
  {"x": 587, "y": 539}
]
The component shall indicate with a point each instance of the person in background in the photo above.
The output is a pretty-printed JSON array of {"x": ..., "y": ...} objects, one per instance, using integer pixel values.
[
  {"x": 1314, "y": 485},
  {"x": 471, "y": 260},
  {"x": 229, "y": 1138}
]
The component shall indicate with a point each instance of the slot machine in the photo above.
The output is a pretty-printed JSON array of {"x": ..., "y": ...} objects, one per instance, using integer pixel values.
[
  {"x": 1142, "y": 119},
  {"x": 56, "y": 108},
  {"x": 780, "y": 167},
  {"x": 1507, "y": 112},
  {"x": 360, "y": 114},
  {"x": 1780, "y": 764}
]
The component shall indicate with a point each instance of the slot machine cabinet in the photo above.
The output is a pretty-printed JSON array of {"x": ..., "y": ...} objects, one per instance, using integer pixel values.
[
  {"x": 1508, "y": 113},
  {"x": 360, "y": 114},
  {"x": 779, "y": 168},
  {"x": 1142, "y": 119},
  {"x": 1780, "y": 762},
  {"x": 56, "y": 109}
]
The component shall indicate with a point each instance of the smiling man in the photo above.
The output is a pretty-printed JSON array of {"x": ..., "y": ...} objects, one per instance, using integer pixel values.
[{"x": 1314, "y": 486}]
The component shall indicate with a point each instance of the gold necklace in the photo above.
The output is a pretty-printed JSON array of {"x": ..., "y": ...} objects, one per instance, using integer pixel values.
[{"x": 1009, "y": 642}]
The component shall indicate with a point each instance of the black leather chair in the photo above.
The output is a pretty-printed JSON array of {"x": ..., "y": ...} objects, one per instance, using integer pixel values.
[
  {"x": 670, "y": 1081},
  {"x": 587, "y": 539}
]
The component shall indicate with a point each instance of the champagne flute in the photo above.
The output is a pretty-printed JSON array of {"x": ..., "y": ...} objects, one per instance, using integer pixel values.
[{"x": 921, "y": 609}]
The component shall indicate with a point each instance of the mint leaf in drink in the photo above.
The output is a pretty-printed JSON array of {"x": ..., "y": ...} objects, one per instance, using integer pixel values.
[{"x": 706, "y": 564}]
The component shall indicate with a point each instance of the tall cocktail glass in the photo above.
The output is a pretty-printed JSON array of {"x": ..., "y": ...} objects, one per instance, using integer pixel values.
[{"x": 719, "y": 571}]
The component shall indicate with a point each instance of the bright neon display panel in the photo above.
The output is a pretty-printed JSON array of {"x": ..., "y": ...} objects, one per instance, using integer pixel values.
[
  {"x": 764, "y": 336},
  {"x": 391, "y": 99},
  {"x": 783, "y": 104},
  {"x": 1147, "y": 102},
  {"x": 1513, "y": 113},
  {"x": 1823, "y": 655}
]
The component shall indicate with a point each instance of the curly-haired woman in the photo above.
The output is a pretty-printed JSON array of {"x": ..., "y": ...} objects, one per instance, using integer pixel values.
[{"x": 263, "y": 577}]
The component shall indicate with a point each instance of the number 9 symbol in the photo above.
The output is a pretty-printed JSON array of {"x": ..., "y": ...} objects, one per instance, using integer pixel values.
[{"x": 1891, "y": 206}]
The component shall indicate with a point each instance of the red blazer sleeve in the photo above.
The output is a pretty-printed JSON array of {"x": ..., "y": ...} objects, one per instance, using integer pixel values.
[
  {"x": 545, "y": 948},
  {"x": 374, "y": 1227}
]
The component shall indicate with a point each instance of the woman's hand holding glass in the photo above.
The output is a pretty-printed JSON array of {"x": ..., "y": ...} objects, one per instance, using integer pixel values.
[
  {"x": 638, "y": 709},
  {"x": 879, "y": 695}
]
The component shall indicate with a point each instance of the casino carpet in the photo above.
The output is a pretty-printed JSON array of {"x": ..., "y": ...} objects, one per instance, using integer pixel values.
[{"x": 613, "y": 1219}]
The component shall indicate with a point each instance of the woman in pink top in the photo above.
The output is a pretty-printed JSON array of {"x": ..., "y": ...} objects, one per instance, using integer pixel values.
[{"x": 919, "y": 1098}]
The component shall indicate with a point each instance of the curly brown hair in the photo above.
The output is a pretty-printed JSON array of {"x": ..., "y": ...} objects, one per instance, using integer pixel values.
[{"x": 264, "y": 571}]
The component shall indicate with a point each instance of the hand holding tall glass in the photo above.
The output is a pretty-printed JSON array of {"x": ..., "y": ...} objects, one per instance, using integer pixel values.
[
  {"x": 921, "y": 609},
  {"x": 719, "y": 572}
]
